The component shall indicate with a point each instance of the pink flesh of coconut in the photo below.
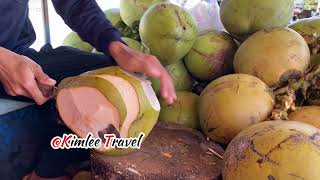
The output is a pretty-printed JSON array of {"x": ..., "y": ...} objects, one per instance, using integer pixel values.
[{"x": 86, "y": 110}]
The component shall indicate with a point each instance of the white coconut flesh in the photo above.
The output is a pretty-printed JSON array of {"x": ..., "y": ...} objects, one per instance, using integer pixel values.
[
  {"x": 147, "y": 89},
  {"x": 130, "y": 96},
  {"x": 86, "y": 110}
]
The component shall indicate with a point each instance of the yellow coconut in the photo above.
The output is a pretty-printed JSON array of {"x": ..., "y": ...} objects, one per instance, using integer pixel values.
[
  {"x": 274, "y": 150},
  {"x": 232, "y": 103},
  {"x": 273, "y": 55},
  {"x": 307, "y": 114}
]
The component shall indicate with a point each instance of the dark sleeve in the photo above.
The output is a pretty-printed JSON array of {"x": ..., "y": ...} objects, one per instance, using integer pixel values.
[{"x": 87, "y": 19}]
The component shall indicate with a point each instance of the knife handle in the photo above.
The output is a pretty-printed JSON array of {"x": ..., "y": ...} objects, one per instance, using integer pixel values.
[{"x": 46, "y": 90}]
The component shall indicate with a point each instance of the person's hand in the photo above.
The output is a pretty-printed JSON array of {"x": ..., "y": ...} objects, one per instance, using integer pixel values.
[
  {"x": 135, "y": 61},
  {"x": 19, "y": 76}
]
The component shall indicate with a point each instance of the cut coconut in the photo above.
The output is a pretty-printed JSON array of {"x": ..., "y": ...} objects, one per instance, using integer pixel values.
[
  {"x": 102, "y": 104},
  {"x": 132, "y": 103},
  {"x": 149, "y": 105},
  {"x": 86, "y": 110}
]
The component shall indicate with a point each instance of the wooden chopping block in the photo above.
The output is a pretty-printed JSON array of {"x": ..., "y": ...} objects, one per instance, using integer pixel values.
[{"x": 169, "y": 152}]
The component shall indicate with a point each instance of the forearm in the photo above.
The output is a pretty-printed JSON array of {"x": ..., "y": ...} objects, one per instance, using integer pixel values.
[{"x": 87, "y": 19}]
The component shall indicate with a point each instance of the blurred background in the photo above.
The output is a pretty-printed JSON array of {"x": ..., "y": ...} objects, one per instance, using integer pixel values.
[{"x": 58, "y": 30}]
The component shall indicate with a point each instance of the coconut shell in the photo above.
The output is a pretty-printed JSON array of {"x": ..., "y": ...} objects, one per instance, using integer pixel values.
[
  {"x": 180, "y": 76},
  {"x": 232, "y": 103},
  {"x": 308, "y": 28},
  {"x": 131, "y": 11},
  {"x": 183, "y": 111},
  {"x": 211, "y": 56},
  {"x": 113, "y": 15},
  {"x": 274, "y": 150},
  {"x": 242, "y": 18},
  {"x": 307, "y": 114},
  {"x": 122, "y": 100},
  {"x": 273, "y": 55},
  {"x": 168, "y": 31},
  {"x": 73, "y": 40},
  {"x": 148, "y": 103}
]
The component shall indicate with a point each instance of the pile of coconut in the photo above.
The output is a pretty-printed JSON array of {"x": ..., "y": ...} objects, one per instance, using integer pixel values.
[{"x": 254, "y": 89}]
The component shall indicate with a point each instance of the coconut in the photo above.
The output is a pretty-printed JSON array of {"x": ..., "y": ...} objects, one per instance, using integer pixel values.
[
  {"x": 181, "y": 79},
  {"x": 232, "y": 103},
  {"x": 73, "y": 40},
  {"x": 168, "y": 31},
  {"x": 211, "y": 56},
  {"x": 274, "y": 150},
  {"x": 242, "y": 18},
  {"x": 273, "y": 55},
  {"x": 131, "y": 11},
  {"x": 133, "y": 44},
  {"x": 84, "y": 102},
  {"x": 136, "y": 45},
  {"x": 183, "y": 111},
  {"x": 113, "y": 15},
  {"x": 309, "y": 29},
  {"x": 149, "y": 106},
  {"x": 307, "y": 114}
]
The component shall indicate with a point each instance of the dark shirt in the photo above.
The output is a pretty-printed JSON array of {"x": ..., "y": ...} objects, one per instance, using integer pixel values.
[{"x": 83, "y": 16}]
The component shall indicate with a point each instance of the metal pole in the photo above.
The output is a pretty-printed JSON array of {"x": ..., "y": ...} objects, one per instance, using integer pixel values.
[{"x": 45, "y": 14}]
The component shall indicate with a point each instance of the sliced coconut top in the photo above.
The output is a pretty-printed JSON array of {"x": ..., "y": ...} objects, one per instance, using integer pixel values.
[
  {"x": 129, "y": 94},
  {"x": 148, "y": 102},
  {"x": 90, "y": 104},
  {"x": 147, "y": 89},
  {"x": 86, "y": 110}
]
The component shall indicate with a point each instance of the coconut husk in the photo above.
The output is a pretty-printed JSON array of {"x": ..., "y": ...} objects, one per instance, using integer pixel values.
[{"x": 296, "y": 93}]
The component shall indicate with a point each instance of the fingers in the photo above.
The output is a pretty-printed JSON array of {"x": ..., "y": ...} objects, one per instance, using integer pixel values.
[
  {"x": 34, "y": 92},
  {"x": 43, "y": 78},
  {"x": 167, "y": 89},
  {"x": 152, "y": 67}
]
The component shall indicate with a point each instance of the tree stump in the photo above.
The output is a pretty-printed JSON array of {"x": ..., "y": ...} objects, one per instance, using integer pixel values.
[{"x": 169, "y": 152}]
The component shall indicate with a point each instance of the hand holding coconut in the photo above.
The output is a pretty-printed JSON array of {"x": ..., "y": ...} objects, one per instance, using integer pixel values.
[
  {"x": 24, "y": 81},
  {"x": 134, "y": 61}
]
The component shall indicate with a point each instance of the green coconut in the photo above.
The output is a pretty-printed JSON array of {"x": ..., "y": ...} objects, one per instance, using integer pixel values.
[
  {"x": 75, "y": 95},
  {"x": 283, "y": 54},
  {"x": 149, "y": 106},
  {"x": 232, "y": 103},
  {"x": 183, "y": 111},
  {"x": 136, "y": 45},
  {"x": 73, "y": 40},
  {"x": 241, "y": 18},
  {"x": 309, "y": 29},
  {"x": 131, "y": 11},
  {"x": 274, "y": 150},
  {"x": 181, "y": 79},
  {"x": 168, "y": 31},
  {"x": 113, "y": 15},
  {"x": 211, "y": 56}
]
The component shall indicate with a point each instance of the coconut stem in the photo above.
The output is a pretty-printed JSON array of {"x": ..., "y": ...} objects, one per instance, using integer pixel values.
[
  {"x": 286, "y": 97},
  {"x": 215, "y": 153}
]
